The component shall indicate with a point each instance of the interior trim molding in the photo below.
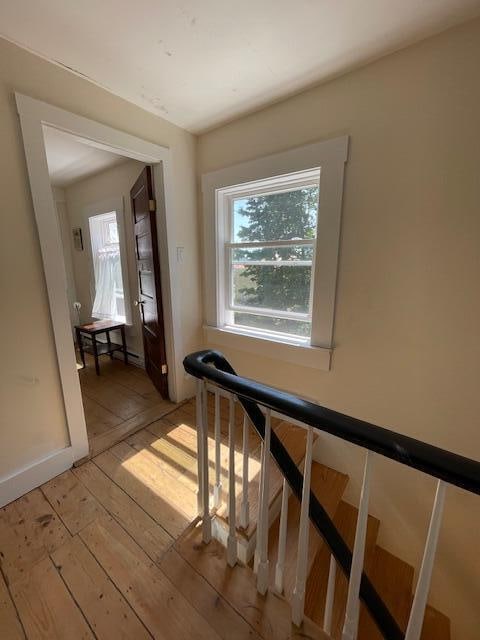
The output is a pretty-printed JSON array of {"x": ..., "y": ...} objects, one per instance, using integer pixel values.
[
  {"x": 35, "y": 114},
  {"x": 299, "y": 354},
  {"x": 35, "y": 474}
]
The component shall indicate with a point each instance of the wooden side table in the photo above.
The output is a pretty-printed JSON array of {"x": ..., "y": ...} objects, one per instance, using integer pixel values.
[{"x": 93, "y": 329}]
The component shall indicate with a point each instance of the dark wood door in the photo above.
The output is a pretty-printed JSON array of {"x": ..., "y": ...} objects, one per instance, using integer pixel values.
[{"x": 149, "y": 285}]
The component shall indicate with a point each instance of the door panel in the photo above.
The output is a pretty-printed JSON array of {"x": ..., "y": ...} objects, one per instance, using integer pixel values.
[
  {"x": 144, "y": 246},
  {"x": 149, "y": 285}
]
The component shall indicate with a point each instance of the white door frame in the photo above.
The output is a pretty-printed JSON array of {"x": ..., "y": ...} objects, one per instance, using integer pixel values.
[{"x": 33, "y": 114}]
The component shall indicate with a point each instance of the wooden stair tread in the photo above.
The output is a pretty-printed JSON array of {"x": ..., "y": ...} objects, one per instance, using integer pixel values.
[
  {"x": 436, "y": 625},
  {"x": 328, "y": 486},
  {"x": 269, "y": 615},
  {"x": 294, "y": 440},
  {"x": 393, "y": 580},
  {"x": 345, "y": 520},
  {"x": 391, "y": 577}
]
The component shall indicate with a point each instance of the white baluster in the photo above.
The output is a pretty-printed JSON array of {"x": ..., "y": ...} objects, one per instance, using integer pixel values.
[
  {"x": 327, "y": 619},
  {"x": 352, "y": 611},
  {"x": 282, "y": 538},
  {"x": 206, "y": 518},
  {"x": 245, "y": 507},
  {"x": 232, "y": 532},
  {"x": 415, "y": 624},
  {"x": 298, "y": 599},
  {"x": 260, "y": 489},
  {"x": 261, "y": 551},
  {"x": 217, "y": 489},
  {"x": 198, "y": 414}
]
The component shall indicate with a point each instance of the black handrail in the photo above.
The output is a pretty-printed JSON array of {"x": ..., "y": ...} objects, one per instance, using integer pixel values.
[
  {"x": 437, "y": 462},
  {"x": 444, "y": 465}
]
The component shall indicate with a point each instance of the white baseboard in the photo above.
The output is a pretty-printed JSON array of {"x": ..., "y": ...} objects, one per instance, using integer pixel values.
[{"x": 32, "y": 476}]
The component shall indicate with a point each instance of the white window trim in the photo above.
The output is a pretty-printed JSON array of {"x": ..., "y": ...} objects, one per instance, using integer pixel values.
[{"x": 330, "y": 156}]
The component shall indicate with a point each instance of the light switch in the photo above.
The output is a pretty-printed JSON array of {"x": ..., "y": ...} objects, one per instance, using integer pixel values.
[{"x": 180, "y": 252}]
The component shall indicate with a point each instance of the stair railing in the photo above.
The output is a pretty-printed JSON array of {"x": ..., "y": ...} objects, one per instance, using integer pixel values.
[{"x": 261, "y": 402}]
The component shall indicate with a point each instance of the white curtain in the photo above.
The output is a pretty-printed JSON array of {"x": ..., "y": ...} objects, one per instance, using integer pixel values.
[
  {"x": 107, "y": 275},
  {"x": 107, "y": 268}
]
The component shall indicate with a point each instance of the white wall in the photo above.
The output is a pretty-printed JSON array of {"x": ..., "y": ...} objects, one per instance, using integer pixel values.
[
  {"x": 32, "y": 419},
  {"x": 407, "y": 344},
  {"x": 110, "y": 184}
]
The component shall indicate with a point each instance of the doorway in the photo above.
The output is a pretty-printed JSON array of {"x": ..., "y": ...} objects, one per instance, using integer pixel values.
[
  {"x": 106, "y": 215},
  {"x": 34, "y": 116}
]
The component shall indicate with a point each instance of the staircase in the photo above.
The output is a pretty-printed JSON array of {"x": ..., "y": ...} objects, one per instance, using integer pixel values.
[
  {"x": 392, "y": 577},
  {"x": 261, "y": 494}
]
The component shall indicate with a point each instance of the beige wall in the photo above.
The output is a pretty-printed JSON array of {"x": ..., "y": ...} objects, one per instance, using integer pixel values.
[
  {"x": 407, "y": 348},
  {"x": 32, "y": 420},
  {"x": 112, "y": 183}
]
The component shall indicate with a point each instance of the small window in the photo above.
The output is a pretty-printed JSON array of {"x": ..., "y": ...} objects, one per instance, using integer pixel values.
[
  {"x": 269, "y": 252},
  {"x": 109, "y": 298},
  {"x": 271, "y": 243}
]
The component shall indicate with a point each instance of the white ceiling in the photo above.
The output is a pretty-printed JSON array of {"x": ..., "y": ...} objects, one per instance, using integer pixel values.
[
  {"x": 70, "y": 160},
  {"x": 198, "y": 63}
]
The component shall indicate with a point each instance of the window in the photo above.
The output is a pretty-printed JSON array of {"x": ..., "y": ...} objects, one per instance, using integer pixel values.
[
  {"x": 109, "y": 298},
  {"x": 270, "y": 232},
  {"x": 271, "y": 241}
]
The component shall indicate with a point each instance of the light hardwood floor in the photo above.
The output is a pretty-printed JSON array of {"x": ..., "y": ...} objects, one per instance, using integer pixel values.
[
  {"x": 112, "y": 549},
  {"x": 121, "y": 400},
  {"x": 91, "y": 554}
]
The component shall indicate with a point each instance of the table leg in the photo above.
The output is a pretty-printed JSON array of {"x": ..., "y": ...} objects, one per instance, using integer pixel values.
[
  {"x": 109, "y": 343},
  {"x": 80, "y": 345},
  {"x": 124, "y": 345},
  {"x": 95, "y": 354}
]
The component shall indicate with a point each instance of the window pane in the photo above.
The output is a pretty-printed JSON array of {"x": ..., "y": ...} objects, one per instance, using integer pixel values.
[
  {"x": 112, "y": 232},
  {"x": 271, "y": 287},
  {"x": 285, "y": 215},
  {"x": 298, "y": 328},
  {"x": 276, "y": 254}
]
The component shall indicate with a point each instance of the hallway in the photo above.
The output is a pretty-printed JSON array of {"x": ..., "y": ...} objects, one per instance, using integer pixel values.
[{"x": 122, "y": 399}]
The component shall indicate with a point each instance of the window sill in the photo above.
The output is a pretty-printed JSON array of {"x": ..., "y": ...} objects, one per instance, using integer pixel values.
[{"x": 301, "y": 354}]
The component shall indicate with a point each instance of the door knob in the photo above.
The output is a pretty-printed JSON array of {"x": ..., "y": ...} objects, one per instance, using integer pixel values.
[{"x": 137, "y": 302}]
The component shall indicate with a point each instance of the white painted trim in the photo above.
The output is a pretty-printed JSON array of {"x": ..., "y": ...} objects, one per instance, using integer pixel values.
[
  {"x": 304, "y": 355},
  {"x": 330, "y": 156},
  {"x": 33, "y": 115},
  {"x": 275, "y": 414},
  {"x": 26, "y": 479}
]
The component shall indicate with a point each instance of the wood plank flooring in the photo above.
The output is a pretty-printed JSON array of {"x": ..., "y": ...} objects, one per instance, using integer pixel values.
[
  {"x": 120, "y": 401},
  {"x": 100, "y": 552},
  {"x": 112, "y": 550}
]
